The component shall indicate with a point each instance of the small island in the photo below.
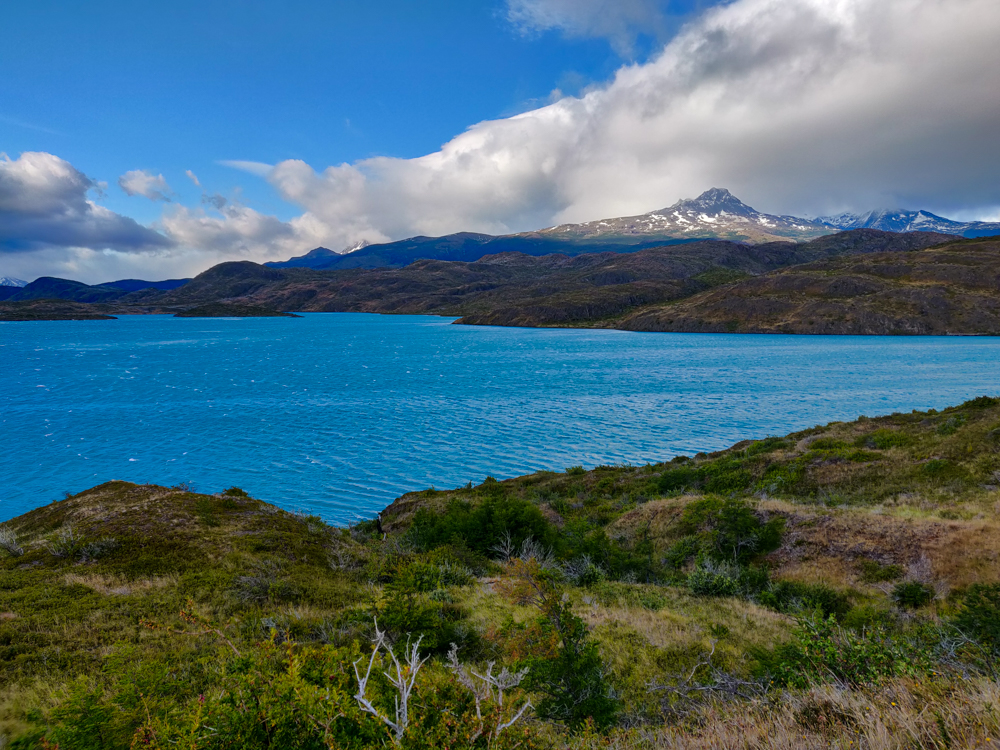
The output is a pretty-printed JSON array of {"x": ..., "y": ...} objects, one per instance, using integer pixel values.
[
  {"x": 52, "y": 309},
  {"x": 231, "y": 310}
]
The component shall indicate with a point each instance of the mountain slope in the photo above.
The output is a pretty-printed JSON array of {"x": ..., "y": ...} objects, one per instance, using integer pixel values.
[
  {"x": 518, "y": 289},
  {"x": 48, "y": 287},
  {"x": 911, "y": 221},
  {"x": 715, "y": 214},
  {"x": 948, "y": 289}
]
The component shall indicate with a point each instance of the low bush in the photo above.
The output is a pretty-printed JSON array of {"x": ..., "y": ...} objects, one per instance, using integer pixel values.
[
  {"x": 727, "y": 530},
  {"x": 482, "y": 527},
  {"x": 9, "y": 542},
  {"x": 65, "y": 544},
  {"x": 874, "y": 572},
  {"x": 912, "y": 594},
  {"x": 979, "y": 615},
  {"x": 822, "y": 651},
  {"x": 793, "y": 596}
]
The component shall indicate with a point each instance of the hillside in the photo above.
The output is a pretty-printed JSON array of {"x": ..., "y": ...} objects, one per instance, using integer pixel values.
[
  {"x": 52, "y": 309},
  {"x": 953, "y": 288},
  {"x": 834, "y": 587},
  {"x": 515, "y": 289}
]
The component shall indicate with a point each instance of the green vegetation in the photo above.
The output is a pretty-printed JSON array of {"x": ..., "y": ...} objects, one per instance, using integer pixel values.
[{"x": 830, "y": 585}]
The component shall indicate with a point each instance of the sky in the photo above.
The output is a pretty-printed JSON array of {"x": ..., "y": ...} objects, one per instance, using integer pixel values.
[{"x": 142, "y": 140}]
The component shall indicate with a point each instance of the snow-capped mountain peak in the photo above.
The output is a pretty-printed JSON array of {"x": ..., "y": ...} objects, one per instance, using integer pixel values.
[
  {"x": 716, "y": 213},
  {"x": 355, "y": 247},
  {"x": 713, "y": 202},
  {"x": 897, "y": 220},
  {"x": 11, "y": 281}
]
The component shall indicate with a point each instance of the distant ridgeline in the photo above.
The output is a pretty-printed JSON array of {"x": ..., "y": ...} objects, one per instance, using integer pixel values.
[
  {"x": 715, "y": 214},
  {"x": 48, "y": 287},
  {"x": 712, "y": 264}
]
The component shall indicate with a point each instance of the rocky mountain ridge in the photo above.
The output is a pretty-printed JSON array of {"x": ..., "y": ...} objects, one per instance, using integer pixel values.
[{"x": 910, "y": 221}]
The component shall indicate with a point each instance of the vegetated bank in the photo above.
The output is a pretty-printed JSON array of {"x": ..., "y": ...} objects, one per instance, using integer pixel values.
[
  {"x": 839, "y": 586},
  {"x": 52, "y": 309},
  {"x": 231, "y": 310}
]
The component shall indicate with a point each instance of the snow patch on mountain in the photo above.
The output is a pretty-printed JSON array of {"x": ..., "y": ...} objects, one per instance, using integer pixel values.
[{"x": 896, "y": 220}]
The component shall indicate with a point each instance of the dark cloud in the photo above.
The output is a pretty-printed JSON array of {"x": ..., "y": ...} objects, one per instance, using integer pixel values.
[{"x": 44, "y": 204}]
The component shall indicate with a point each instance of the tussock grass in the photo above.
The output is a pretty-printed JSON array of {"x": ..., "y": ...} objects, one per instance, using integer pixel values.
[{"x": 900, "y": 716}]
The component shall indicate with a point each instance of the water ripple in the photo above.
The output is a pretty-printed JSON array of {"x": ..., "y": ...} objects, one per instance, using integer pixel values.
[{"x": 339, "y": 414}]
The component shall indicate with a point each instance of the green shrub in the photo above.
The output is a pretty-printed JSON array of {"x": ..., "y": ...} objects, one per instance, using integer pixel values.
[
  {"x": 673, "y": 480},
  {"x": 874, "y": 572},
  {"x": 572, "y": 683},
  {"x": 793, "y": 596},
  {"x": 713, "y": 578},
  {"x": 979, "y": 615},
  {"x": 883, "y": 439},
  {"x": 66, "y": 544},
  {"x": 939, "y": 468},
  {"x": 729, "y": 531},
  {"x": 912, "y": 594},
  {"x": 822, "y": 651},
  {"x": 482, "y": 527},
  {"x": 982, "y": 402},
  {"x": 868, "y": 617},
  {"x": 575, "y": 470},
  {"x": 9, "y": 542},
  {"x": 952, "y": 425}
]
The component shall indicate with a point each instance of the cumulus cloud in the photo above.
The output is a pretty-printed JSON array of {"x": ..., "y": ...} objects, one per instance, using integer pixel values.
[
  {"x": 803, "y": 106},
  {"x": 226, "y": 229},
  {"x": 44, "y": 203},
  {"x": 620, "y": 21},
  {"x": 193, "y": 177},
  {"x": 798, "y": 106},
  {"x": 146, "y": 184}
]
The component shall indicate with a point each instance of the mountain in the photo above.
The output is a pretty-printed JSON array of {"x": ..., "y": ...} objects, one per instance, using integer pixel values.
[
  {"x": 48, "y": 287},
  {"x": 524, "y": 290},
  {"x": 135, "y": 285},
  {"x": 910, "y": 221},
  {"x": 317, "y": 258},
  {"x": 715, "y": 214},
  {"x": 9, "y": 287},
  {"x": 945, "y": 289}
]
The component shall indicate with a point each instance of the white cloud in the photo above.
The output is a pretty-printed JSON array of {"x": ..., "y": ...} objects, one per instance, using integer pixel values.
[
  {"x": 193, "y": 177},
  {"x": 253, "y": 167},
  {"x": 620, "y": 21},
  {"x": 44, "y": 204},
  {"x": 146, "y": 184},
  {"x": 798, "y": 106}
]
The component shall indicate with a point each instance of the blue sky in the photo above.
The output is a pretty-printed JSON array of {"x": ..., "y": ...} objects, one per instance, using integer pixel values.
[
  {"x": 325, "y": 123},
  {"x": 172, "y": 86}
]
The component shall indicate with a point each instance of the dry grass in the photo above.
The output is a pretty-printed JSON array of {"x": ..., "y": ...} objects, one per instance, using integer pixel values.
[
  {"x": 826, "y": 544},
  {"x": 901, "y": 716},
  {"x": 118, "y": 585}
]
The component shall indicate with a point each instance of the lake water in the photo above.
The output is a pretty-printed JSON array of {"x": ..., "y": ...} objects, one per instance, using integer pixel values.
[{"x": 337, "y": 414}]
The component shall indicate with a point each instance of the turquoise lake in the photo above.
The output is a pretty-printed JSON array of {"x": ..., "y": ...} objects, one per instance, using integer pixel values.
[{"x": 337, "y": 414}]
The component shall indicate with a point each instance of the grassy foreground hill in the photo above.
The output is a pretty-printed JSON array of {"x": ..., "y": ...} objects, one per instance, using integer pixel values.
[{"x": 835, "y": 587}]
